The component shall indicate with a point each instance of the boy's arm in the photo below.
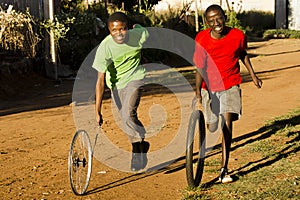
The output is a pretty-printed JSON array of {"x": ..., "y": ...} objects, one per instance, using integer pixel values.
[
  {"x": 246, "y": 61},
  {"x": 198, "y": 80},
  {"x": 99, "y": 96}
]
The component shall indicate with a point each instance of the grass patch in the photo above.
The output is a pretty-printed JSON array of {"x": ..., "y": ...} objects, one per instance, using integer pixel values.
[
  {"x": 271, "y": 170},
  {"x": 213, "y": 162},
  {"x": 281, "y": 33},
  {"x": 265, "y": 147}
]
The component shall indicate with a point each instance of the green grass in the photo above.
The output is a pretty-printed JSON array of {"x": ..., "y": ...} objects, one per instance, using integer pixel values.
[
  {"x": 266, "y": 147},
  {"x": 281, "y": 33},
  {"x": 268, "y": 167}
]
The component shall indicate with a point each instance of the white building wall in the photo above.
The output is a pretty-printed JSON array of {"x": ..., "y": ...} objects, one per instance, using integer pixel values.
[
  {"x": 294, "y": 15},
  {"x": 258, "y": 5},
  {"x": 238, "y": 5}
]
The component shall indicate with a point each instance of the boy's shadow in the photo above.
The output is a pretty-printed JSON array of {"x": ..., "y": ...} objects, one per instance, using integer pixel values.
[{"x": 264, "y": 133}]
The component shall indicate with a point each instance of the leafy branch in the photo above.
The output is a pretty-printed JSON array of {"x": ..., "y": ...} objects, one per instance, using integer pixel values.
[
  {"x": 59, "y": 28},
  {"x": 16, "y": 32}
]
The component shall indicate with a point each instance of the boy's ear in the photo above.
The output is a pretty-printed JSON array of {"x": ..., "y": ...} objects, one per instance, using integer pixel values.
[
  {"x": 225, "y": 17},
  {"x": 205, "y": 21}
]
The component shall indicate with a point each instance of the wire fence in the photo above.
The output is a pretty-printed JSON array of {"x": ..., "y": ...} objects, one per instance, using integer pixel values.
[{"x": 35, "y": 7}]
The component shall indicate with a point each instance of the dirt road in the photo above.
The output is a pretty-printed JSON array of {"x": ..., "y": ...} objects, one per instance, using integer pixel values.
[{"x": 37, "y": 128}]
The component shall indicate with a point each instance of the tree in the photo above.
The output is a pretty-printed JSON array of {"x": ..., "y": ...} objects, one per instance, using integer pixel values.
[
  {"x": 131, "y": 5},
  {"x": 68, "y": 6}
]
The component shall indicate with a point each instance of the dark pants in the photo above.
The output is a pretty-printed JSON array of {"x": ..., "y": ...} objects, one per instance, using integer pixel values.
[{"x": 127, "y": 101}]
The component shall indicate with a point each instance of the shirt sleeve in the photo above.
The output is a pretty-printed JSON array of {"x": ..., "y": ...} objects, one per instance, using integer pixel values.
[
  {"x": 200, "y": 55},
  {"x": 144, "y": 34},
  {"x": 244, "y": 42},
  {"x": 101, "y": 61}
]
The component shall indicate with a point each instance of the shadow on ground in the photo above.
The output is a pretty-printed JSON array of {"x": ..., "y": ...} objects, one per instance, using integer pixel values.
[
  {"x": 36, "y": 93},
  {"x": 258, "y": 135}
]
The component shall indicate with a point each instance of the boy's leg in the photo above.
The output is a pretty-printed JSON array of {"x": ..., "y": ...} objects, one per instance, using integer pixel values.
[
  {"x": 210, "y": 106},
  {"x": 139, "y": 146},
  {"x": 226, "y": 143},
  {"x": 127, "y": 101},
  {"x": 227, "y": 138},
  {"x": 230, "y": 107},
  {"x": 134, "y": 127}
]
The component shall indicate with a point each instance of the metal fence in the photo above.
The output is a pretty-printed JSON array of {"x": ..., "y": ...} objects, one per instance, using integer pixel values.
[{"x": 35, "y": 7}]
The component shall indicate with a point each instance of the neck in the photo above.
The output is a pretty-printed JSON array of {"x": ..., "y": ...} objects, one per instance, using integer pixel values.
[
  {"x": 215, "y": 35},
  {"x": 219, "y": 35}
]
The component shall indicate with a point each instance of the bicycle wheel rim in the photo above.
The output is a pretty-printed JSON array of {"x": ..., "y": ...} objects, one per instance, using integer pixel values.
[
  {"x": 80, "y": 162},
  {"x": 194, "y": 175},
  {"x": 202, "y": 149}
]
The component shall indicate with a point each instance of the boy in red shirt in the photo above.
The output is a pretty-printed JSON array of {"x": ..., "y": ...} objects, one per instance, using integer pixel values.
[{"x": 217, "y": 52}]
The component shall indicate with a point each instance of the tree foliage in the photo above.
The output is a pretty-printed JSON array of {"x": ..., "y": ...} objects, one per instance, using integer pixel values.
[
  {"x": 233, "y": 21},
  {"x": 133, "y": 5},
  {"x": 16, "y": 33},
  {"x": 68, "y": 6}
]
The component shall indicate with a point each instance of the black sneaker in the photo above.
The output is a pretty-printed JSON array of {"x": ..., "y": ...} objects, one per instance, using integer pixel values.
[
  {"x": 224, "y": 177},
  {"x": 144, "y": 146},
  {"x": 139, "y": 158},
  {"x": 136, "y": 162},
  {"x": 136, "y": 157}
]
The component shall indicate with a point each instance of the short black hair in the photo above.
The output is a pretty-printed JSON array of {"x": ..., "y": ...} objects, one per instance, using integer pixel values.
[
  {"x": 118, "y": 16},
  {"x": 215, "y": 7}
]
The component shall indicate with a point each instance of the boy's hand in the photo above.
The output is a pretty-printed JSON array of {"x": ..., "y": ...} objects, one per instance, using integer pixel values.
[
  {"x": 99, "y": 119},
  {"x": 257, "y": 82},
  {"x": 135, "y": 25},
  {"x": 197, "y": 103}
]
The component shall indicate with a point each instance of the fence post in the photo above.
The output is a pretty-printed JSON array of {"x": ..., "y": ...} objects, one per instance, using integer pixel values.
[{"x": 51, "y": 61}]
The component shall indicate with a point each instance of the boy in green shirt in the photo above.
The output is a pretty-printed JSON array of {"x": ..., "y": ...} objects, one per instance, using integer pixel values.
[{"x": 118, "y": 63}]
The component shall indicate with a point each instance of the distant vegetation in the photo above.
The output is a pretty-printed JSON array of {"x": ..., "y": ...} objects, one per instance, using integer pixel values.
[
  {"x": 17, "y": 35},
  {"x": 281, "y": 33}
]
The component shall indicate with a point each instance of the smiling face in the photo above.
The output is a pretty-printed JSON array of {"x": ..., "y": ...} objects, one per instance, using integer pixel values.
[
  {"x": 215, "y": 19},
  {"x": 118, "y": 31}
]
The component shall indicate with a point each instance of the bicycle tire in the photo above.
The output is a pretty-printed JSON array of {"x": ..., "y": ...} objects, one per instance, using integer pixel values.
[
  {"x": 80, "y": 162},
  {"x": 196, "y": 118}
]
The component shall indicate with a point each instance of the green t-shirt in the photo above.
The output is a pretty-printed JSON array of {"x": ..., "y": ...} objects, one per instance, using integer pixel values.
[{"x": 121, "y": 62}]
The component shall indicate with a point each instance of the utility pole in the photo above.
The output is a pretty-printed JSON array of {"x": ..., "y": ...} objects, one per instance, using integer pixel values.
[
  {"x": 50, "y": 43},
  {"x": 196, "y": 16}
]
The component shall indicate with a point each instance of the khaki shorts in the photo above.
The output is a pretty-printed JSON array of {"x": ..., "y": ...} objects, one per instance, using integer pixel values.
[{"x": 216, "y": 103}]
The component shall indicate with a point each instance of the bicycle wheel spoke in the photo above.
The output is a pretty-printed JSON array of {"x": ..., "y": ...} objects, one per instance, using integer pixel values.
[{"x": 80, "y": 160}]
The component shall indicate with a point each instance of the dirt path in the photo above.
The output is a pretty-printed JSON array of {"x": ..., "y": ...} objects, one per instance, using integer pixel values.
[{"x": 35, "y": 143}]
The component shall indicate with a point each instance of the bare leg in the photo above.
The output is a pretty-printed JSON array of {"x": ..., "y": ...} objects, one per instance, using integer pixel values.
[{"x": 227, "y": 138}]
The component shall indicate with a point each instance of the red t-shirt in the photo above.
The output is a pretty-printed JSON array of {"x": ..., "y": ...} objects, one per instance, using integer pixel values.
[{"x": 219, "y": 59}]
